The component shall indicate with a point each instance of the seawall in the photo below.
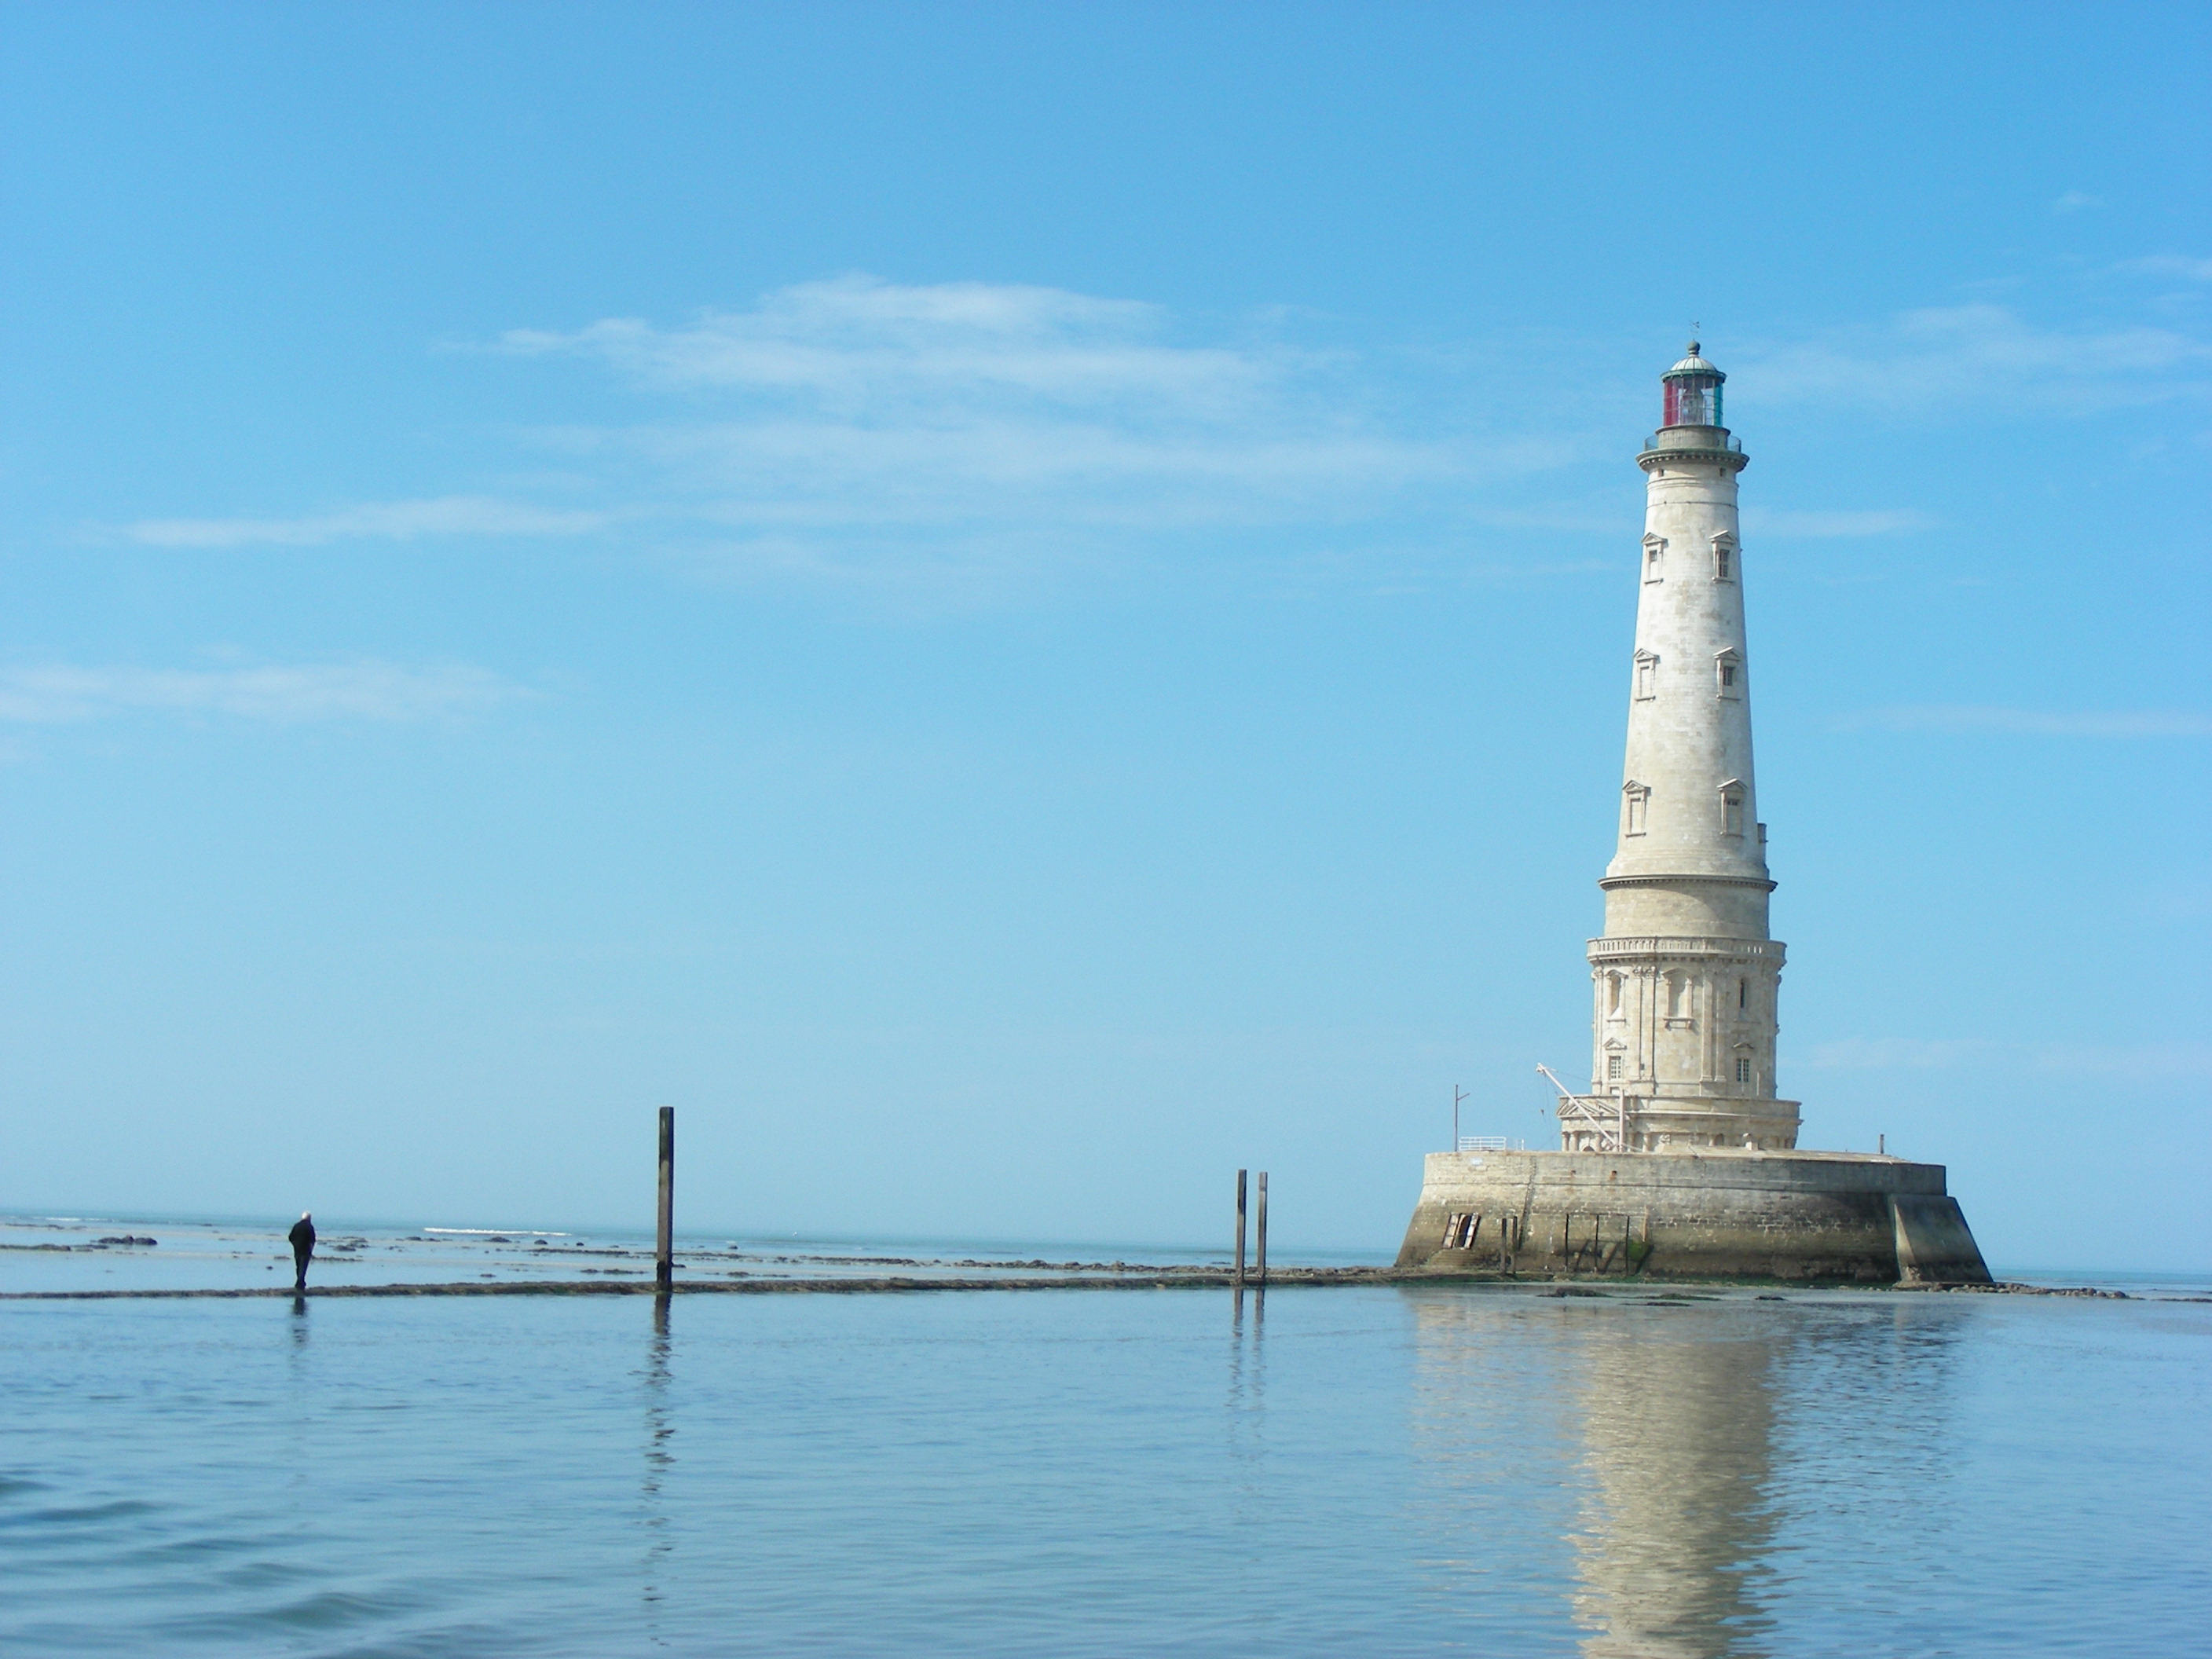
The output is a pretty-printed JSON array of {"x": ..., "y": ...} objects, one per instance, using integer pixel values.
[{"x": 1828, "y": 1216}]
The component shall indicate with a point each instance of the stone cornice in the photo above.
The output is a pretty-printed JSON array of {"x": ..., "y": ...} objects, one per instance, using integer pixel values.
[
  {"x": 1730, "y": 460},
  {"x": 1608, "y": 883}
]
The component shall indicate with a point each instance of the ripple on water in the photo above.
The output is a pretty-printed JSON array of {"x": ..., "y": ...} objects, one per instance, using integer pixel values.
[
  {"x": 195, "y": 1553},
  {"x": 322, "y": 1611},
  {"x": 82, "y": 1515}
]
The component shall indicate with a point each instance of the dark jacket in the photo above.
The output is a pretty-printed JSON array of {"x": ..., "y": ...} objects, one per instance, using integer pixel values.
[{"x": 303, "y": 1234}]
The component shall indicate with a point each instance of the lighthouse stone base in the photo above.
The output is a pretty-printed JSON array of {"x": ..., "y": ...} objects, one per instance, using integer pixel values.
[{"x": 1716, "y": 1213}]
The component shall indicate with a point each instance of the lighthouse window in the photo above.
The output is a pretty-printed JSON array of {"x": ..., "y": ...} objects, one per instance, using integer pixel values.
[
  {"x": 1731, "y": 812},
  {"x": 1743, "y": 993},
  {"x": 1743, "y": 1070},
  {"x": 1727, "y": 674},
  {"x": 1612, "y": 1068},
  {"x": 1655, "y": 550},
  {"x": 1637, "y": 808},
  {"x": 1723, "y": 560},
  {"x": 1647, "y": 676}
]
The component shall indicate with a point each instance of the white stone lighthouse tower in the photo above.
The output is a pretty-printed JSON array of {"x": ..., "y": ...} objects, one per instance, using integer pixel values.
[
  {"x": 1685, "y": 977},
  {"x": 1681, "y": 1162}
]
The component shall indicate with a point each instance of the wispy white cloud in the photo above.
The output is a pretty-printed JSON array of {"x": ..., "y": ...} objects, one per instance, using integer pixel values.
[
  {"x": 1817, "y": 524},
  {"x": 854, "y": 427},
  {"x": 447, "y": 515},
  {"x": 858, "y": 342},
  {"x": 2168, "y": 264},
  {"x": 364, "y": 688},
  {"x": 2076, "y": 201},
  {"x": 966, "y": 438},
  {"x": 2036, "y": 722},
  {"x": 874, "y": 403},
  {"x": 1984, "y": 356},
  {"x": 975, "y": 465}
]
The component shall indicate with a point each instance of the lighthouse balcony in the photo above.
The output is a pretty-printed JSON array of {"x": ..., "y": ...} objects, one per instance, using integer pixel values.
[
  {"x": 1707, "y": 443},
  {"x": 1661, "y": 944},
  {"x": 1694, "y": 437}
]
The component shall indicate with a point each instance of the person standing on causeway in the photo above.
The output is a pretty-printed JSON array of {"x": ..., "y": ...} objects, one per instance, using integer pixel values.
[{"x": 303, "y": 1246}]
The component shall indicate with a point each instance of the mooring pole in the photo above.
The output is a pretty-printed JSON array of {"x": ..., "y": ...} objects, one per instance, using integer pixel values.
[
  {"x": 664, "y": 1253},
  {"x": 1263, "y": 1229},
  {"x": 1237, "y": 1275}
]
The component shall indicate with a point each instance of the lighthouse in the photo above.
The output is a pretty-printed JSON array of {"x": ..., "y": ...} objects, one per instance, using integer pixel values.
[
  {"x": 1685, "y": 980},
  {"x": 1682, "y": 1161}
]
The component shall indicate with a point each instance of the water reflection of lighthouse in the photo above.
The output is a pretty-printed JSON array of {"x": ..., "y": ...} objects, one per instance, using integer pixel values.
[
  {"x": 1675, "y": 1517},
  {"x": 1660, "y": 1442}
]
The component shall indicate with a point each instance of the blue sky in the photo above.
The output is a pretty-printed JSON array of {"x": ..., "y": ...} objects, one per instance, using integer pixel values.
[{"x": 1015, "y": 607}]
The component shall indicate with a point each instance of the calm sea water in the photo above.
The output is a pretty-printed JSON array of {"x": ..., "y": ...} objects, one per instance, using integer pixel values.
[{"x": 1474, "y": 1470}]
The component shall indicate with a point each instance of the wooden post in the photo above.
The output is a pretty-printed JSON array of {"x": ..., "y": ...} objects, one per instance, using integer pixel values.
[
  {"x": 664, "y": 1256},
  {"x": 1237, "y": 1276},
  {"x": 1263, "y": 1229}
]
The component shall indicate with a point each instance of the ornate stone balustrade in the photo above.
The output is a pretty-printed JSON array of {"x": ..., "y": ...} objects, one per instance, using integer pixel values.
[{"x": 1607, "y": 950}]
